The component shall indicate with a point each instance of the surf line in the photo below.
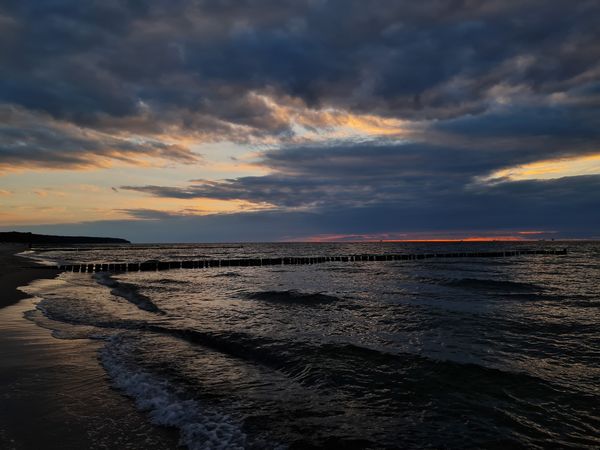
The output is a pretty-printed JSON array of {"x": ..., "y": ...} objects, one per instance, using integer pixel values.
[{"x": 152, "y": 266}]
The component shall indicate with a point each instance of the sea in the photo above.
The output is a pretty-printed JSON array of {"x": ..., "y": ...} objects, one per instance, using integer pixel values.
[{"x": 434, "y": 353}]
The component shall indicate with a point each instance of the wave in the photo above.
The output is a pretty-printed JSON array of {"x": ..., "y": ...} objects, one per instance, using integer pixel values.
[
  {"x": 492, "y": 285},
  {"x": 343, "y": 269},
  {"x": 199, "y": 427},
  {"x": 292, "y": 297},
  {"x": 351, "y": 370},
  {"x": 170, "y": 282},
  {"x": 34, "y": 256},
  {"x": 584, "y": 304},
  {"x": 129, "y": 292},
  {"x": 327, "y": 363}
]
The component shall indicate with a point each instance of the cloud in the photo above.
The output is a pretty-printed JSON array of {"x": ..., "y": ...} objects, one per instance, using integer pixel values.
[
  {"x": 366, "y": 116},
  {"x": 567, "y": 206},
  {"x": 198, "y": 66},
  {"x": 120, "y": 79},
  {"x": 386, "y": 186},
  {"x": 522, "y": 204},
  {"x": 557, "y": 121},
  {"x": 556, "y": 168},
  {"x": 361, "y": 174},
  {"x": 148, "y": 214},
  {"x": 31, "y": 140}
]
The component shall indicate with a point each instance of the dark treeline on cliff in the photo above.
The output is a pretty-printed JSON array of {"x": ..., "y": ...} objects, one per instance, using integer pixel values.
[{"x": 31, "y": 238}]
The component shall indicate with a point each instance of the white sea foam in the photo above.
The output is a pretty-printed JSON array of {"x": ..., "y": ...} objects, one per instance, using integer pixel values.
[
  {"x": 199, "y": 427},
  {"x": 38, "y": 258}
]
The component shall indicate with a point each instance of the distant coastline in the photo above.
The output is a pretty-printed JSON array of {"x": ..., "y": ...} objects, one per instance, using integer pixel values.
[{"x": 32, "y": 238}]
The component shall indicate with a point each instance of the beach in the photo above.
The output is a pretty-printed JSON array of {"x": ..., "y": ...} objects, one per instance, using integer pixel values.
[
  {"x": 17, "y": 271},
  {"x": 54, "y": 393},
  {"x": 453, "y": 352}
]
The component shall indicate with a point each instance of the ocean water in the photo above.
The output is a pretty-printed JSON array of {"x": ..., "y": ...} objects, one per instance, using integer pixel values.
[{"x": 438, "y": 353}]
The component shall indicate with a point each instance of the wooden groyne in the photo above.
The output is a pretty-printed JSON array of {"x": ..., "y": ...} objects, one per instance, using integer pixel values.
[{"x": 153, "y": 266}]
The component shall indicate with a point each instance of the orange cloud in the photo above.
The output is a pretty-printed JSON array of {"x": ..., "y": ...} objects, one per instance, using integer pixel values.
[
  {"x": 38, "y": 141},
  {"x": 549, "y": 169},
  {"x": 337, "y": 123}
]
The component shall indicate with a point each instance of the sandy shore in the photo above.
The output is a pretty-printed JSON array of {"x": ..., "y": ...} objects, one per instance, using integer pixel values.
[
  {"x": 16, "y": 271},
  {"x": 53, "y": 393}
]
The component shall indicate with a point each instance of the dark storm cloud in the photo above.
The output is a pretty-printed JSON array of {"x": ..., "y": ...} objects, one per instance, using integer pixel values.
[
  {"x": 341, "y": 175},
  {"x": 559, "y": 122},
  {"x": 82, "y": 61}
]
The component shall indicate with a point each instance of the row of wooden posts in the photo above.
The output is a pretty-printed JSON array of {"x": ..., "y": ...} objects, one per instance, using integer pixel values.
[{"x": 152, "y": 266}]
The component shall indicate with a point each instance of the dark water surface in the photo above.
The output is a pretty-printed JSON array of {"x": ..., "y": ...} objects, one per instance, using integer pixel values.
[{"x": 440, "y": 353}]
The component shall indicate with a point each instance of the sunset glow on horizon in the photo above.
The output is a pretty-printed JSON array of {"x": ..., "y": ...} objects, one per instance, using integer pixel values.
[{"x": 416, "y": 237}]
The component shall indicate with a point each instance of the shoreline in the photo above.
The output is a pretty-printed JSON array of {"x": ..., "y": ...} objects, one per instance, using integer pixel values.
[
  {"x": 17, "y": 271},
  {"x": 55, "y": 394}
]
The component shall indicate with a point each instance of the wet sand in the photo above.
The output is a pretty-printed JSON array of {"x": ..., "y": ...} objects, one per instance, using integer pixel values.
[
  {"x": 16, "y": 271},
  {"x": 53, "y": 393}
]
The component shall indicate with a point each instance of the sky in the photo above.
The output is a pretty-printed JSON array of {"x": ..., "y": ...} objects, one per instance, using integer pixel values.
[{"x": 300, "y": 120}]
